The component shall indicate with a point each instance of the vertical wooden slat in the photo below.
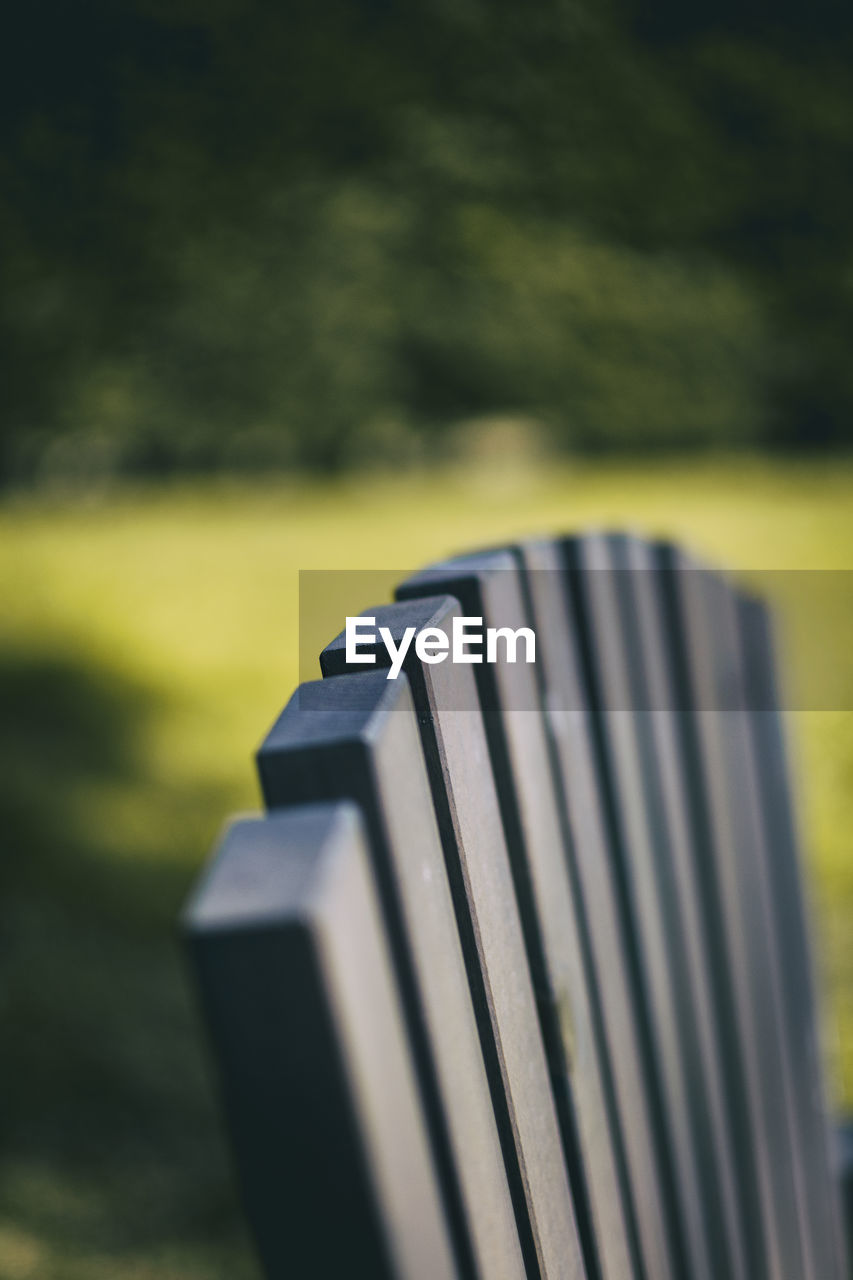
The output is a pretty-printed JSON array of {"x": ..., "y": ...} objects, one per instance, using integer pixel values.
[
  {"x": 736, "y": 1249},
  {"x": 714, "y": 721},
  {"x": 753, "y": 851},
  {"x": 304, "y": 1014},
  {"x": 469, "y": 823},
  {"x": 642, "y": 871},
  {"x": 489, "y": 587},
  {"x": 609, "y": 962},
  {"x": 356, "y": 737},
  {"x": 789, "y": 920}
]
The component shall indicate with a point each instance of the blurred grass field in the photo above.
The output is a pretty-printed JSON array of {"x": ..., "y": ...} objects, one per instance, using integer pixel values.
[{"x": 147, "y": 639}]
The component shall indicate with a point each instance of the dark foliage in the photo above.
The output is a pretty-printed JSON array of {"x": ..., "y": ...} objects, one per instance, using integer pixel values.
[{"x": 246, "y": 234}]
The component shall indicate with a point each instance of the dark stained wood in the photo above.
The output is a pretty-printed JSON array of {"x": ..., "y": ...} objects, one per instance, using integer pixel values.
[
  {"x": 607, "y": 962},
  {"x": 303, "y": 1011},
  {"x": 717, "y": 740},
  {"x": 489, "y": 586},
  {"x": 788, "y": 901},
  {"x": 356, "y": 737},
  {"x": 736, "y": 1249},
  {"x": 466, "y": 805},
  {"x": 514, "y": 980}
]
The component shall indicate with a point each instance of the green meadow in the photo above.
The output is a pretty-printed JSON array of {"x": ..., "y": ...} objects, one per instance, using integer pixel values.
[{"x": 148, "y": 636}]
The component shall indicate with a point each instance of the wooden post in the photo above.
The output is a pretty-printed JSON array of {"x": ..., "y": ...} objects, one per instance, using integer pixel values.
[
  {"x": 356, "y": 737},
  {"x": 463, "y": 791},
  {"x": 489, "y": 587},
  {"x": 788, "y": 892},
  {"x": 304, "y": 1013}
]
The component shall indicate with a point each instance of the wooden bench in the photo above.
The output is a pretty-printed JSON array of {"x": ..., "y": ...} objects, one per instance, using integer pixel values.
[{"x": 513, "y": 979}]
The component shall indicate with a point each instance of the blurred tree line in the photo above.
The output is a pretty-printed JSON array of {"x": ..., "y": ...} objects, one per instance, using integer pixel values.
[{"x": 318, "y": 232}]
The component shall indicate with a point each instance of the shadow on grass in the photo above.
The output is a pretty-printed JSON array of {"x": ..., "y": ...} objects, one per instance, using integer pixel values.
[{"x": 112, "y": 1159}]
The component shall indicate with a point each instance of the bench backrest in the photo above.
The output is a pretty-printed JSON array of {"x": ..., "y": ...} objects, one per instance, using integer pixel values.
[{"x": 514, "y": 978}]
